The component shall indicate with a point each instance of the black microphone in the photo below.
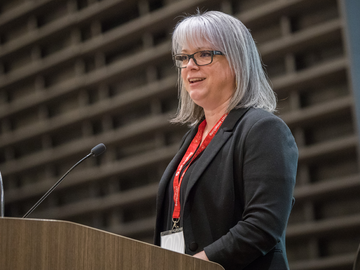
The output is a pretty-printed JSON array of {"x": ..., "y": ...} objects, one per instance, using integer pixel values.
[{"x": 96, "y": 151}]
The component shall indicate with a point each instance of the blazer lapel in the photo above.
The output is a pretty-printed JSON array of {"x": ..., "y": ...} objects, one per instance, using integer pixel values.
[
  {"x": 223, "y": 134},
  {"x": 209, "y": 153}
]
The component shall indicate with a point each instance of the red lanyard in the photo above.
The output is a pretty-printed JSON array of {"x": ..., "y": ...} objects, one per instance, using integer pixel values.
[{"x": 191, "y": 153}]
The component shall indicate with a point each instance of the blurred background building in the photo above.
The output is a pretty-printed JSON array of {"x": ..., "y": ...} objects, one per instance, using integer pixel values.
[{"x": 74, "y": 73}]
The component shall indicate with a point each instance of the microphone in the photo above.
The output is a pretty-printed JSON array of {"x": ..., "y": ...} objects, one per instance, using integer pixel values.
[{"x": 96, "y": 151}]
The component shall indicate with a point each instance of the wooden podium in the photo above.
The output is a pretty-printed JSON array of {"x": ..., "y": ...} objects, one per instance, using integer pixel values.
[{"x": 35, "y": 244}]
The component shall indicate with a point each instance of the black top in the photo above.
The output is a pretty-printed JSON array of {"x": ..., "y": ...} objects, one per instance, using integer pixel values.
[{"x": 169, "y": 200}]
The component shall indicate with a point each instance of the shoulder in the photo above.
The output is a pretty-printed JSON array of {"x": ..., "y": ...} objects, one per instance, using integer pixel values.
[
  {"x": 264, "y": 129},
  {"x": 259, "y": 127},
  {"x": 255, "y": 118},
  {"x": 256, "y": 114}
]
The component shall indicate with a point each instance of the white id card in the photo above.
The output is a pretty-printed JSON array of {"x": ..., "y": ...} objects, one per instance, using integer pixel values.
[{"x": 173, "y": 240}]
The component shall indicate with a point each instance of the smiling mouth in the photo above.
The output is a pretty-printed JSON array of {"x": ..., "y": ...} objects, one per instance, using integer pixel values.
[{"x": 194, "y": 80}]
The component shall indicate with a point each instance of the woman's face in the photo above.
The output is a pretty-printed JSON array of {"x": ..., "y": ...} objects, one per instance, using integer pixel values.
[{"x": 209, "y": 86}]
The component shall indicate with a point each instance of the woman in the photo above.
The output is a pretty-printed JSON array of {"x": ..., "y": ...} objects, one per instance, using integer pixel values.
[{"x": 230, "y": 186}]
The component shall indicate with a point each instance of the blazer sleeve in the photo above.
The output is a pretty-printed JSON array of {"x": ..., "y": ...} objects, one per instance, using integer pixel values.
[{"x": 267, "y": 175}]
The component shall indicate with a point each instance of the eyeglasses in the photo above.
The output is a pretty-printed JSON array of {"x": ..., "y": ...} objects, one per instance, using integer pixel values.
[{"x": 201, "y": 58}]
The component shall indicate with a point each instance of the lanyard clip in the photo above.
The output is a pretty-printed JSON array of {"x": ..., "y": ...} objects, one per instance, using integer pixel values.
[{"x": 175, "y": 223}]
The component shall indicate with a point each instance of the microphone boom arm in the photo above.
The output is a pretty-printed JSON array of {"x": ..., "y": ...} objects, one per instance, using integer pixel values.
[{"x": 54, "y": 186}]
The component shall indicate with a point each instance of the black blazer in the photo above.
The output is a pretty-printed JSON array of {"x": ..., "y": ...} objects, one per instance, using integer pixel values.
[{"x": 240, "y": 194}]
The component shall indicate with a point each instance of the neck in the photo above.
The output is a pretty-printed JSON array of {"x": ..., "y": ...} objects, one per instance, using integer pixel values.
[{"x": 212, "y": 116}]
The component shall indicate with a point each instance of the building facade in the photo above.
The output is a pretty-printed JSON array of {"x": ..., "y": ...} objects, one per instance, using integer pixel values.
[{"x": 74, "y": 73}]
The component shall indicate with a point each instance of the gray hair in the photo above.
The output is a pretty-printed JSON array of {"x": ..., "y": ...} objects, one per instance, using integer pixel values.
[{"x": 230, "y": 36}]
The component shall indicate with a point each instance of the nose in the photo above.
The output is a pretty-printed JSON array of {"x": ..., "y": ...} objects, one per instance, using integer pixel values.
[{"x": 192, "y": 64}]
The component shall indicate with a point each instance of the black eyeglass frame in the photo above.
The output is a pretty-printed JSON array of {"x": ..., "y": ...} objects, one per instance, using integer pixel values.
[{"x": 191, "y": 56}]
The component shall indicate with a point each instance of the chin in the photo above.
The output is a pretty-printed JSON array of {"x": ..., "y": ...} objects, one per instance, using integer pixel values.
[{"x": 198, "y": 99}]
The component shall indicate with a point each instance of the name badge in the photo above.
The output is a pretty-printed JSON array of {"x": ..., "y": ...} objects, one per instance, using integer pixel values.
[{"x": 173, "y": 240}]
